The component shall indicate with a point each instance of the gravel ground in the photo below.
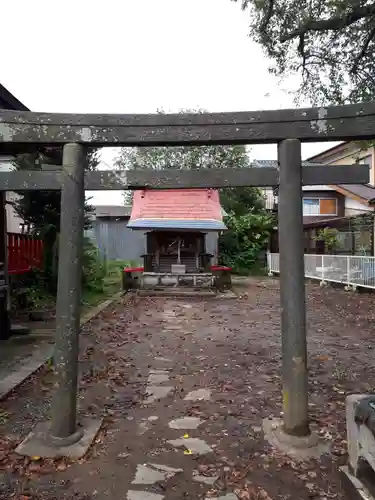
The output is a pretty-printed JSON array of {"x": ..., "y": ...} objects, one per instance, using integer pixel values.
[{"x": 228, "y": 349}]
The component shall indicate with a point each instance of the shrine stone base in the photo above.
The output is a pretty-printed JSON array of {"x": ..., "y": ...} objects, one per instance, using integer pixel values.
[{"x": 191, "y": 280}]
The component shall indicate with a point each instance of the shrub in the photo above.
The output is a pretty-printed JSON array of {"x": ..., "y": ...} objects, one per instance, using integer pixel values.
[
  {"x": 93, "y": 268},
  {"x": 247, "y": 236}
]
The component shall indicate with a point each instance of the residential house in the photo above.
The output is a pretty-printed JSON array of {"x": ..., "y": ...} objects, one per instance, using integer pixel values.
[
  {"x": 355, "y": 199},
  {"x": 348, "y": 208}
]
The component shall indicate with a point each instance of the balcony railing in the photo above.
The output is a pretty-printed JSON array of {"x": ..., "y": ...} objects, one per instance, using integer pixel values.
[{"x": 353, "y": 271}]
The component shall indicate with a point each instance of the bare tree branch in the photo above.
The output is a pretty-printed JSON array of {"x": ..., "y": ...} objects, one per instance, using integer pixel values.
[
  {"x": 360, "y": 56},
  {"x": 301, "y": 50},
  {"x": 267, "y": 16},
  {"x": 334, "y": 23},
  {"x": 330, "y": 44}
]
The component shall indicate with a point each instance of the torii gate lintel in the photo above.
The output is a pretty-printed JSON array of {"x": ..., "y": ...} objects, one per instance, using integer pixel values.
[{"x": 333, "y": 123}]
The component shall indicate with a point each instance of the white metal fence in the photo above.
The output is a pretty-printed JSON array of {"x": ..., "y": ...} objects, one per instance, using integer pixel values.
[{"x": 355, "y": 271}]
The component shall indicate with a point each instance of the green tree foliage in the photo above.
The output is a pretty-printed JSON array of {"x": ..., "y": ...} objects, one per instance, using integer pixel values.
[
  {"x": 40, "y": 210},
  {"x": 93, "y": 268},
  {"x": 241, "y": 201},
  {"x": 188, "y": 158},
  {"x": 330, "y": 43},
  {"x": 183, "y": 157},
  {"x": 247, "y": 236},
  {"x": 329, "y": 236},
  {"x": 237, "y": 200}
]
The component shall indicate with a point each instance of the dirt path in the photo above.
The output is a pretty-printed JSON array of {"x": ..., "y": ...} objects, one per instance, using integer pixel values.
[{"x": 183, "y": 388}]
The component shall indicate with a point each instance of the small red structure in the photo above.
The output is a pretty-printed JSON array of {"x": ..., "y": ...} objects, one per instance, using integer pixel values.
[
  {"x": 24, "y": 253},
  {"x": 221, "y": 268},
  {"x": 134, "y": 269}
]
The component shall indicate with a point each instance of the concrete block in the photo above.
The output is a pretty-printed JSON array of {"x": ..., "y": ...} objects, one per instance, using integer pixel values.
[
  {"x": 150, "y": 280},
  {"x": 353, "y": 431},
  {"x": 178, "y": 269},
  {"x": 300, "y": 448},
  {"x": 39, "y": 443},
  {"x": 353, "y": 487},
  {"x": 169, "y": 280}
]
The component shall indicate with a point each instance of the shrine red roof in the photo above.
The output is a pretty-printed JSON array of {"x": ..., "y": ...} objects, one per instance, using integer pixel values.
[{"x": 177, "y": 209}]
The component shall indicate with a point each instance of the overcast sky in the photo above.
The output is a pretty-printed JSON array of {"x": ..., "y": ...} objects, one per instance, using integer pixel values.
[{"x": 135, "y": 56}]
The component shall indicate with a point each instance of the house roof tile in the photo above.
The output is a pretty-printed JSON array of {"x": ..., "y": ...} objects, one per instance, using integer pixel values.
[
  {"x": 364, "y": 191},
  {"x": 311, "y": 219},
  {"x": 8, "y": 101},
  {"x": 103, "y": 211}
]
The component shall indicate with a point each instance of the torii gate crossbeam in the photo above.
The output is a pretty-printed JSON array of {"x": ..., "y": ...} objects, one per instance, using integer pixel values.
[{"x": 356, "y": 121}]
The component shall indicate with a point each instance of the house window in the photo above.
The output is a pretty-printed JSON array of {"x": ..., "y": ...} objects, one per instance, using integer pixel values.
[
  {"x": 311, "y": 206},
  {"x": 319, "y": 206}
]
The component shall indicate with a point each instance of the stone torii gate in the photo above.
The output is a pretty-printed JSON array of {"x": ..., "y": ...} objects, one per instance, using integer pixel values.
[{"x": 26, "y": 131}]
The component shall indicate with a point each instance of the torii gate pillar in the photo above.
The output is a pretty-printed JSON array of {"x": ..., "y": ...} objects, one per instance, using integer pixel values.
[
  {"x": 63, "y": 437},
  {"x": 292, "y": 290},
  {"x": 292, "y": 434},
  {"x": 69, "y": 287}
]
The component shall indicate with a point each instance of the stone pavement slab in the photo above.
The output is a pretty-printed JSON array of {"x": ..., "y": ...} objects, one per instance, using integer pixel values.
[
  {"x": 155, "y": 392},
  {"x": 185, "y": 423},
  {"x": 143, "y": 495},
  {"x": 199, "y": 395}
]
